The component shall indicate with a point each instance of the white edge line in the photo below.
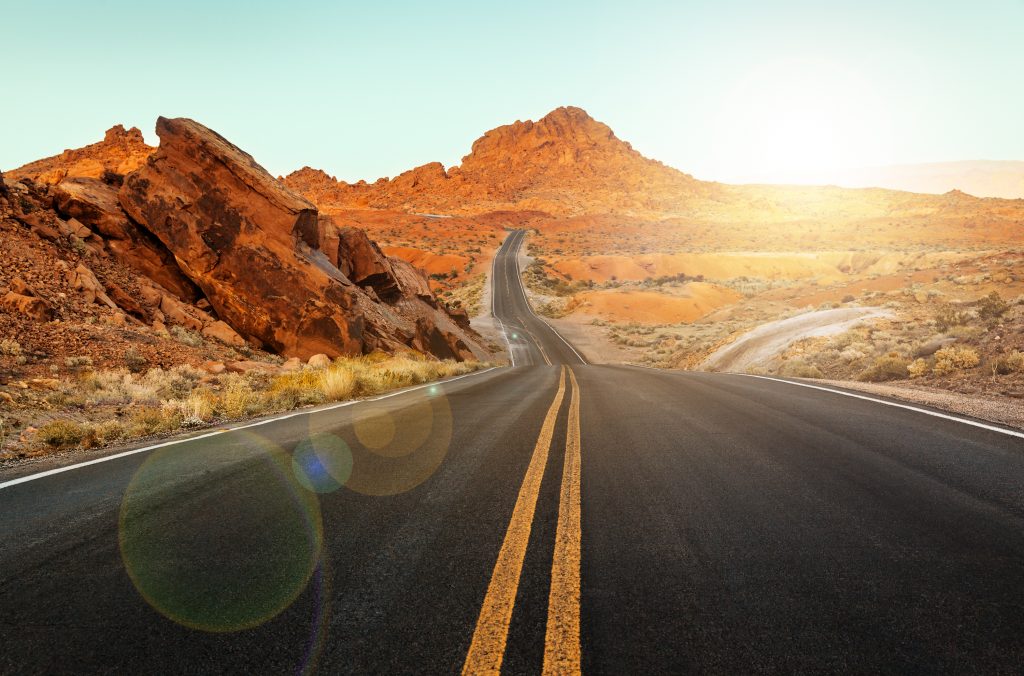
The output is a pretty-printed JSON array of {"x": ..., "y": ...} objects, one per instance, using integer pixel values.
[
  {"x": 918, "y": 409},
  {"x": 519, "y": 276},
  {"x": 207, "y": 435}
]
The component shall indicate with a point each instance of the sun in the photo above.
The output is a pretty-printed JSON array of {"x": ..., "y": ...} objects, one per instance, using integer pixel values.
[{"x": 799, "y": 121}]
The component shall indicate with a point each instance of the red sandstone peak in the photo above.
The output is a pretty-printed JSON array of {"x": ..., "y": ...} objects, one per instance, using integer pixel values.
[
  {"x": 564, "y": 163},
  {"x": 121, "y": 151}
]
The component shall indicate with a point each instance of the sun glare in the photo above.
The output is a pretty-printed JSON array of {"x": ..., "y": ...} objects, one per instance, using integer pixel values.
[{"x": 799, "y": 121}]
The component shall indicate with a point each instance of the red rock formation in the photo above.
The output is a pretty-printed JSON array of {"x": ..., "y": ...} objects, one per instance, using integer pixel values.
[
  {"x": 120, "y": 152},
  {"x": 95, "y": 204},
  {"x": 565, "y": 163},
  {"x": 253, "y": 247}
]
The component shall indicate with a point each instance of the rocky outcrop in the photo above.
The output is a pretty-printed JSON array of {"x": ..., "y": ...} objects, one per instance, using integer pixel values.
[
  {"x": 121, "y": 151},
  {"x": 566, "y": 163},
  {"x": 95, "y": 204},
  {"x": 358, "y": 258},
  {"x": 22, "y": 300},
  {"x": 268, "y": 264}
]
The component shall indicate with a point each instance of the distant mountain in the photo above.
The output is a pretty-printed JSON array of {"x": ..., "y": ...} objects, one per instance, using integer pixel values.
[
  {"x": 981, "y": 178},
  {"x": 121, "y": 151},
  {"x": 565, "y": 163}
]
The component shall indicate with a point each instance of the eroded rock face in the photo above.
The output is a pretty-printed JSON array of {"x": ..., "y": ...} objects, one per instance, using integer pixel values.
[
  {"x": 268, "y": 264},
  {"x": 95, "y": 204},
  {"x": 358, "y": 258},
  {"x": 235, "y": 232}
]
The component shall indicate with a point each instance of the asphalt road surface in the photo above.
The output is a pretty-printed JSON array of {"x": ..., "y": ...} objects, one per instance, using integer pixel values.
[{"x": 555, "y": 516}]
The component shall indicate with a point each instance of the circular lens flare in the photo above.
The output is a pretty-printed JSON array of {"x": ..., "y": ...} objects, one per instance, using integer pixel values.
[
  {"x": 322, "y": 463},
  {"x": 219, "y": 536}
]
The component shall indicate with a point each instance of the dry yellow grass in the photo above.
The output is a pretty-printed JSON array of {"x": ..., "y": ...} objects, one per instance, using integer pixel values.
[{"x": 161, "y": 402}]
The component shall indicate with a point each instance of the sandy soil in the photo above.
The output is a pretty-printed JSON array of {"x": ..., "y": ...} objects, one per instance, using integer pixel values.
[
  {"x": 768, "y": 340},
  {"x": 590, "y": 341},
  {"x": 691, "y": 302}
]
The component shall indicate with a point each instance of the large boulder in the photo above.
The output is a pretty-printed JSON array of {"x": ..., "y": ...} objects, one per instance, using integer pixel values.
[
  {"x": 236, "y": 232},
  {"x": 269, "y": 265},
  {"x": 95, "y": 204}
]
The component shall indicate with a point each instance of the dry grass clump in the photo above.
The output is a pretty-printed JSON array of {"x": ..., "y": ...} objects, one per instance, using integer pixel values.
[
  {"x": 62, "y": 433},
  {"x": 890, "y": 367},
  {"x": 337, "y": 384},
  {"x": 9, "y": 347},
  {"x": 165, "y": 401},
  {"x": 918, "y": 368},
  {"x": 955, "y": 358},
  {"x": 798, "y": 368}
]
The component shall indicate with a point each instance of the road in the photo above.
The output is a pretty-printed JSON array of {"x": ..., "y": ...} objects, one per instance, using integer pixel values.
[{"x": 553, "y": 516}]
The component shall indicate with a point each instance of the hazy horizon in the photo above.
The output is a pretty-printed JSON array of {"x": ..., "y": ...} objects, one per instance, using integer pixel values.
[{"x": 846, "y": 87}]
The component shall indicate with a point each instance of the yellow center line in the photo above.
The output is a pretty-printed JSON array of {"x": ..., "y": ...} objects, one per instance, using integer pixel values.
[
  {"x": 562, "y": 637},
  {"x": 535, "y": 342},
  {"x": 487, "y": 649}
]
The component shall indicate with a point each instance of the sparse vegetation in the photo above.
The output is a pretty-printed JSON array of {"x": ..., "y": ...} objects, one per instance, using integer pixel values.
[
  {"x": 889, "y": 367},
  {"x": 948, "y": 316},
  {"x": 992, "y": 307},
  {"x": 165, "y": 401},
  {"x": 9, "y": 347},
  {"x": 955, "y": 358},
  {"x": 186, "y": 337}
]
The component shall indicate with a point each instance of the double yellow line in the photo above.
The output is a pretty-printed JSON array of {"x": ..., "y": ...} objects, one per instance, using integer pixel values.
[{"x": 562, "y": 636}]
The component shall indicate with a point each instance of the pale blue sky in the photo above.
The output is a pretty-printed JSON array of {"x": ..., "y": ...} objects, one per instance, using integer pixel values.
[{"x": 728, "y": 90}]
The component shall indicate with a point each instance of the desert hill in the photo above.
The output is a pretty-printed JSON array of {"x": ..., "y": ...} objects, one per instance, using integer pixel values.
[
  {"x": 120, "y": 152},
  {"x": 247, "y": 264},
  {"x": 569, "y": 165},
  {"x": 566, "y": 163},
  {"x": 981, "y": 178}
]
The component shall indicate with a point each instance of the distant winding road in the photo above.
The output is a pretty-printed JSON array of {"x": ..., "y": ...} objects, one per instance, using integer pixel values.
[{"x": 554, "y": 516}]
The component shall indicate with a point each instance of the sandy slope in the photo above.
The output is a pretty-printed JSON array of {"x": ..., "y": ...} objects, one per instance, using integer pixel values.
[{"x": 770, "y": 339}]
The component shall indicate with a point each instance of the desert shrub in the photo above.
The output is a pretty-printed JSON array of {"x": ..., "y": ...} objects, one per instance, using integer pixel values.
[
  {"x": 196, "y": 409},
  {"x": 798, "y": 368},
  {"x": 1009, "y": 363},
  {"x": 917, "y": 368},
  {"x": 76, "y": 362},
  {"x": 61, "y": 433},
  {"x": 174, "y": 384},
  {"x": 337, "y": 383},
  {"x": 237, "y": 398},
  {"x": 134, "y": 360},
  {"x": 9, "y": 347},
  {"x": 107, "y": 431},
  {"x": 186, "y": 337},
  {"x": 955, "y": 358},
  {"x": 146, "y": 420},
  {"x": 299, "y": 388},
  {"x": 992, "y": 307},
  {"x": 948, "y": 317},
  {"x": 888, "y": 367}
]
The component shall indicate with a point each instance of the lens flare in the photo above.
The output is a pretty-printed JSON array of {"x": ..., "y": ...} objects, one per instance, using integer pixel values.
[
  {"x": 222, "y": 560},
  {"x": 399, "y": 450},
  {"x": 322, "y": 463},
  {"x": 376, "y": 429}
]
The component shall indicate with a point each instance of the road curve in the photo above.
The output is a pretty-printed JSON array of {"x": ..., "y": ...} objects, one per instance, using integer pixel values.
[{"x": 555, "y": 516}]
